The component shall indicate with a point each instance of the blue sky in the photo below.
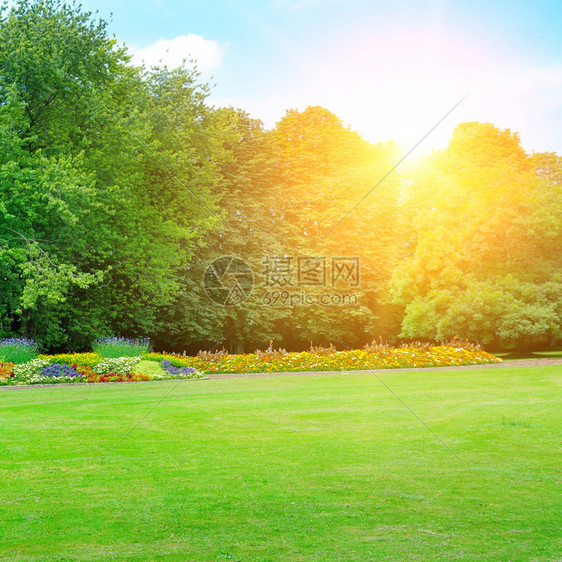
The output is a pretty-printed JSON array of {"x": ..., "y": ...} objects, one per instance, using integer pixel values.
[{"x": 389, "y": 69}]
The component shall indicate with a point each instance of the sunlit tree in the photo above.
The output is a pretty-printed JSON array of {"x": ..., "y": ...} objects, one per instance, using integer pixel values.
[{"x": 486, "y": 262}]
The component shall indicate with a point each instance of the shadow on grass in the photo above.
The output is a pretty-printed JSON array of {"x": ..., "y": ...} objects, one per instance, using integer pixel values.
[{"x": 513, "y": 355}]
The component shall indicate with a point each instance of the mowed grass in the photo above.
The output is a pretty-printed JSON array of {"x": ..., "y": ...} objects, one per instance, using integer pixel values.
[
  {"x": 514, "y": 355},
  {"x": 329, "y": 467}
]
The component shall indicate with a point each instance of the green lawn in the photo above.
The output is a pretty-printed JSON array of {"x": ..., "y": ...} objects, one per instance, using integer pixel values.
[
  {"x": 514, "y": 356},
  {"x": 295, "y": 468}
]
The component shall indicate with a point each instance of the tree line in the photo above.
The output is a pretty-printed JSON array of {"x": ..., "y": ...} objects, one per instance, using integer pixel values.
[{"x": 120, "y": 186}]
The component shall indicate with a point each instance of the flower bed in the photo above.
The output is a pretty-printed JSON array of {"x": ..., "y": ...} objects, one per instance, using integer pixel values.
[
  {"x": 84, "y": 368},
  {"x": 93, "y": 368},
  {"x": 17, "y": 350},
  {"x": 371, "y": 357},
  {"x": 115, "y": 346}
]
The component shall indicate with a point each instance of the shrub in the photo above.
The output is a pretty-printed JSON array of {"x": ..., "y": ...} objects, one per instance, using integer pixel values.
[
  {"x": 113, "y": 347},
  {"x": 17, "y": 350},
  {"x": 119, "y": 365},
  {"x": 175, "y": 360},
  {"x": 173, "y": 366},
  {"x": 173, "y": 370}
]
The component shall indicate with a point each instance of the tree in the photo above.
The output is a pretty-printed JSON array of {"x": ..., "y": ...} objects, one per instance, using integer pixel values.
[
  {"x": 326, "y": 171},
  {"x": 486, "y": 261},
  {"x": 250, "y": 228},
  {"x": 105, "y": 183}
]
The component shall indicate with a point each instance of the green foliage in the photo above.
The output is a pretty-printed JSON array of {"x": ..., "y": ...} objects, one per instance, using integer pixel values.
[
  {"x": 17, "y": 350},
  {"x": 326, "y": 170},
  {"x": 112, "y": 347},
  {"x": 118, "y": 365},
  {"x": 119, "y": 185},
  {"x": 175, "y": 360},
  {"x": 101, "y": 196},
  {"x": 487, "y": 223},
  {"x": 151, "y": 368}
]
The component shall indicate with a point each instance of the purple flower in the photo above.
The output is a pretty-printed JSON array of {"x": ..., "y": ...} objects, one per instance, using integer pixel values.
[
  {"x": 114, "y": 340},
  {"x": 173, "y": 370},
  {"x": 18, "y": 342},
  {"x": 57, "y": 370}
]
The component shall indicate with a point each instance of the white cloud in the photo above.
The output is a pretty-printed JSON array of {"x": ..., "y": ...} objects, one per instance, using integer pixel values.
[
  {"x": 399, "y": 84},
  {"x": 207, "y": 53}
]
